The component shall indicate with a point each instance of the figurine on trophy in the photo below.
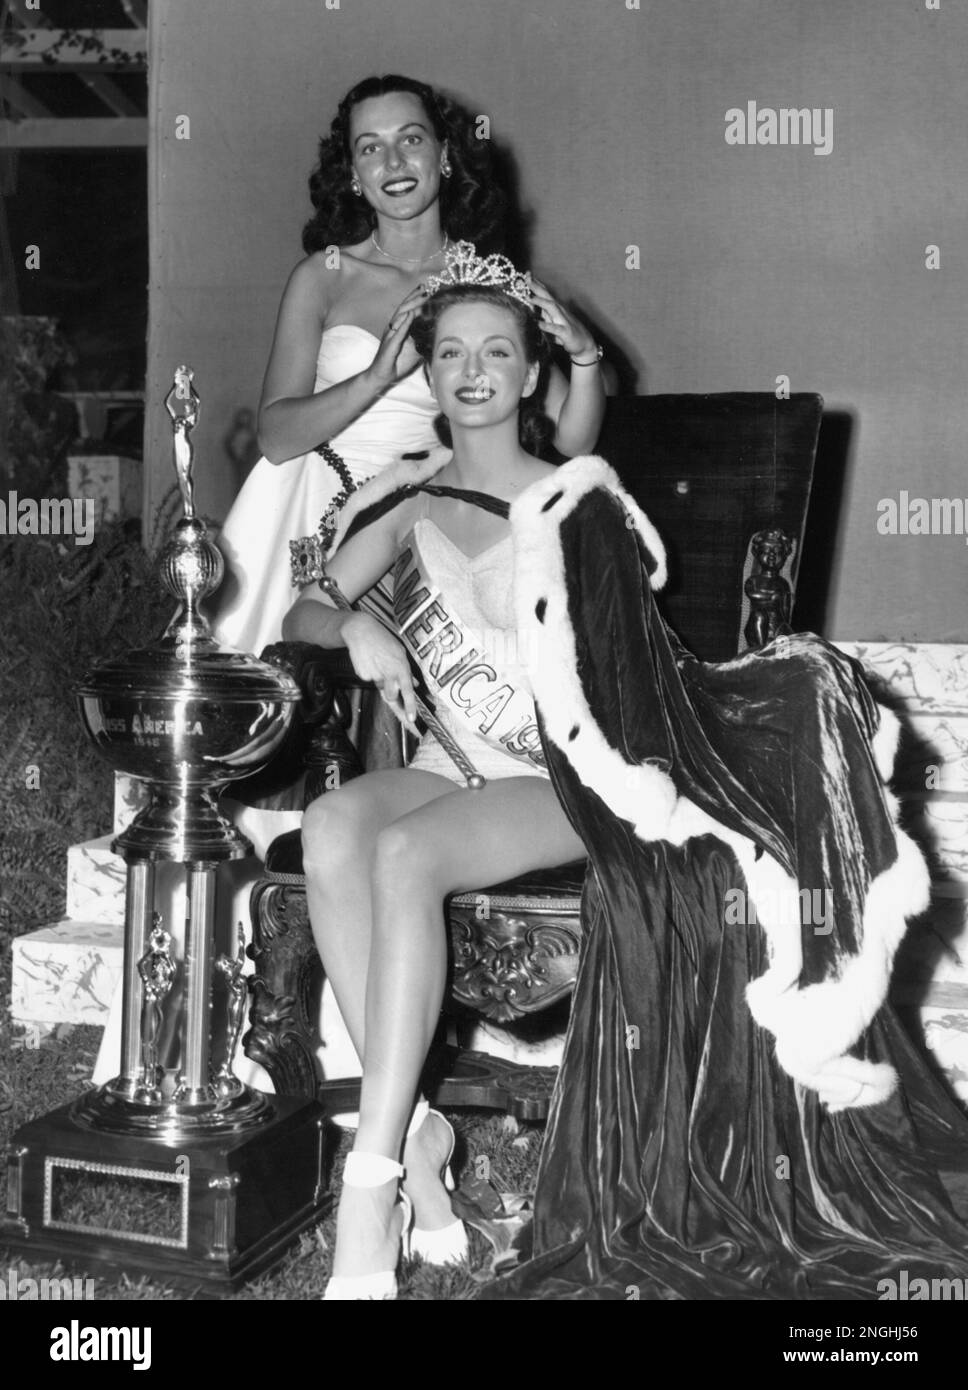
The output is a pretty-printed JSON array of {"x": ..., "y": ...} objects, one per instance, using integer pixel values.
[
  {"x": 184, "y": 419},
  {"x": 236, "y": 984},
  {"x": 157, "y": 971}
]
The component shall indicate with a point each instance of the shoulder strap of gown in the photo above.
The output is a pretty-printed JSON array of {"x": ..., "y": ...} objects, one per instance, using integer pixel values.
[
  {"x": 480, "y": 499},
  {"x": 393, "y": 499}
]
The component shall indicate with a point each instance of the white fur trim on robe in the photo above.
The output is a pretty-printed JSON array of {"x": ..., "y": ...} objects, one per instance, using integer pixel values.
[
  {"x": 644, "y": 794},
  {"x": 815, "y": 1026}
]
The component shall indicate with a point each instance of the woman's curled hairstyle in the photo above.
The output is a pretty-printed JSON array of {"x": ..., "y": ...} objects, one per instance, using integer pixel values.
[
  {"x": 535, "y": 429},
  {"x": 472, "y": 204}
]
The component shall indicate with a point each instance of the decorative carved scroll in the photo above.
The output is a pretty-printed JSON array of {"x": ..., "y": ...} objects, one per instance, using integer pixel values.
[
  {"x": 280, "y": 1034},
  {"x": 513, "y": 964}
]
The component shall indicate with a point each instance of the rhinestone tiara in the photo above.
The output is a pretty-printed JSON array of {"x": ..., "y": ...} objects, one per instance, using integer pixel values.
[{"x": 463, "y": 266}]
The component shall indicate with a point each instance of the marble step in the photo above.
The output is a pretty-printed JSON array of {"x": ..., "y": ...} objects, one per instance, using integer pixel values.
[
  {"x": 113, "y": 483},
  {"x": 929, "y": 986},
  {"x": 130, "y": 795},
  {"x": 933, "y": 753},
  {"x": 938, "y": 1020},
  {"x": 938, "y": 821},
  {"x": 927, "y": 685},
  {"x": 925, "y": 678},
  {"x": 95, "y": 882},
  {"x": 946, "y": 1035},
  {"x": 66, "y": 973},
  {"x": 935, "y": 947}
]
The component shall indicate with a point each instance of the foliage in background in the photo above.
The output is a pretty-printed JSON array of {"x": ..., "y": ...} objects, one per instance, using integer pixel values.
[
  {"x": 36, "y": 426},
  {"x": 64, "y": 607},
  {"x": 68, "y": 41}
]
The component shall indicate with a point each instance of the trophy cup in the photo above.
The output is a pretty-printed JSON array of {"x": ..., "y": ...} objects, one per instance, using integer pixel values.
[{"x": 186, "y": 716}]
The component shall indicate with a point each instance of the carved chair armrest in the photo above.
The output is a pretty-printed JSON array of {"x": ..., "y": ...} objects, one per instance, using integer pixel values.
[
  {"x": 325, "y": 677},
  {"x": 318, "y": 671}
]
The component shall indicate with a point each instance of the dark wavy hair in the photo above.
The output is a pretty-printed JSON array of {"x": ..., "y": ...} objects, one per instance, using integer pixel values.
[
  {"x": 473, "y": 204},
  {"x": 535, "y": 429}
]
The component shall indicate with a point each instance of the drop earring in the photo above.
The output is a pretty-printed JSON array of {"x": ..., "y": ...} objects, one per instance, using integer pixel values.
[
  {"x": 356, "y": 186},
  {"x": 445, "y": 166}
]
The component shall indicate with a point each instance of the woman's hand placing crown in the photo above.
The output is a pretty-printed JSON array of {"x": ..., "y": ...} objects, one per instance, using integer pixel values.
[
  {"x": 556, "y": 321},
  {"x": 390, "y": 363}
]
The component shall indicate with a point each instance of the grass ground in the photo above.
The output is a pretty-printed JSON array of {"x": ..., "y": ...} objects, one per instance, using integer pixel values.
[
  {"x": 35, "y": 1080},
  {"x": 63, "y": 607}
]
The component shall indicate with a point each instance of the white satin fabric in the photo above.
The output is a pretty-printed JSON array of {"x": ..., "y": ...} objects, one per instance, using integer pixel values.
[{"x": 282, "y": 502}]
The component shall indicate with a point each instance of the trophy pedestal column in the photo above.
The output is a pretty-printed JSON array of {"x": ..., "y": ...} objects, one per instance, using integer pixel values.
[{"x": 220, "y": 1209}]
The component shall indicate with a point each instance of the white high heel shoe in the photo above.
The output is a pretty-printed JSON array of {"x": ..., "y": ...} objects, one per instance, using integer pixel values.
[
  {"x": 449, "y": 1244},
  {"x": 371, "y": 1170}
]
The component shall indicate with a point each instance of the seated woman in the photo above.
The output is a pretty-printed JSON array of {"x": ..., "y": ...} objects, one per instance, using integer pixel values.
[
  {"x": 410, "y": 836},
  {"x": 737, "y": 1114}
]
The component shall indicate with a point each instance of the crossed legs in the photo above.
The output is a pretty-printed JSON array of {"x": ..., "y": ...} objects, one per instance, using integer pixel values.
[{"x": 380, "y": 856}]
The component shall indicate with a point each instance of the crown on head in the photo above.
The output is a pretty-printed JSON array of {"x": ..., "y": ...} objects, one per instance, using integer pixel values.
[{"x": 463, "y": 266}]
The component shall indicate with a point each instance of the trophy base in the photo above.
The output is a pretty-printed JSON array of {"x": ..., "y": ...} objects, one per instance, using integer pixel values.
[
  {"x": 209, "y": 1211},
  {"x": 111, "y": 1111}
]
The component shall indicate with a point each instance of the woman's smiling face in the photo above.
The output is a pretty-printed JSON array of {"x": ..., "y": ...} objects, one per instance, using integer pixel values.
[
  {"x": 395, "y": 154},
  {"x": 479, "y": 370}
]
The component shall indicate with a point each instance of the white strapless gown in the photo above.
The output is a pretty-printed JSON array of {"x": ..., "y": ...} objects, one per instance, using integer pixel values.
[
  {"x": 280, "y": 503},
  {"x": 277, "y": 504},
  {"x": 479, "y": 589}
]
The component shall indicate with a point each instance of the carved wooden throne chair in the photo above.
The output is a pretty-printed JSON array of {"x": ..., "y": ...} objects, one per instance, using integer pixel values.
[{"x": 726, "y": 479}]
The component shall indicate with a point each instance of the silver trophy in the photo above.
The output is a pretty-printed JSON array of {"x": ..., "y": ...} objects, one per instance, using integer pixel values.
[{"x": 187, "y": 716}]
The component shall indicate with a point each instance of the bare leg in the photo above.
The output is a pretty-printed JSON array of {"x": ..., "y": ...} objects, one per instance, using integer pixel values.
[
  {"x": 458, "y": 840},
  {"x": 340, "y": 833}
]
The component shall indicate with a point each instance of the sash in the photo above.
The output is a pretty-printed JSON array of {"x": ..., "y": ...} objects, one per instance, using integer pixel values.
[{"x": 470, "y": 672}]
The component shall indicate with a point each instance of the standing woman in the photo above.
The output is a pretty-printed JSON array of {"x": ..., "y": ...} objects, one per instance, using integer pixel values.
[{"x": 401, "y": 176}]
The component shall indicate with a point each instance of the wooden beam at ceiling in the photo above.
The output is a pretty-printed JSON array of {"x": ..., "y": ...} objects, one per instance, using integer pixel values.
[
  {"x": 93, "y": 133},
  {"x": 111, "y": 94},
  {"x": 38, "y": 42},
  {"x": 23, "y": 103}
]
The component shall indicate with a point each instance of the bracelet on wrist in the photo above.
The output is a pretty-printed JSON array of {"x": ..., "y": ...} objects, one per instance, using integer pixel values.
[{"x": 593, "y": 362}]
